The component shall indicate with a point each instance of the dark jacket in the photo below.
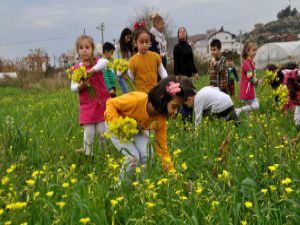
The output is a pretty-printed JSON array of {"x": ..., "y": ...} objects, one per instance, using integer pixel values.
[{"x": 184, "y": 59}]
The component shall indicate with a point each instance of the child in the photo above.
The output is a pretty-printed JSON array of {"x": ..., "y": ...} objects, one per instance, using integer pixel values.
[
  {"x": 292, "y": 81},
  {"x": 151, "y": 112},
  {"x": 124, "y": 50},
  {"x": 217, "y": 67},
  {"x": 91, "y": 109},
  {"x": 248, "y": 80},
  {"x": 231, "y": 74},
  {"x": 109, "y": 74},
  {"x": 157, "y": 37},
  {"x": 209, "y": 99},
  {"x": 145, "y": 65}
]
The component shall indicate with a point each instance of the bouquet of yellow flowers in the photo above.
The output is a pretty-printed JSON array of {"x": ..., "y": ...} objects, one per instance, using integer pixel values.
[
  {"x": 123, "y": 129},
  {"x": 283, "y": 95},
  {"x": 80, "y": 74},
  {"x": 269, "y": 77},
  {"x": 121, "y": 65},
  {"x": 77, "y": 75}
]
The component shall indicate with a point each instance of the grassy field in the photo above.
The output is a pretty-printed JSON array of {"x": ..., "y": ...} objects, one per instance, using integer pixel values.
[{"x": 43, "y": 181}]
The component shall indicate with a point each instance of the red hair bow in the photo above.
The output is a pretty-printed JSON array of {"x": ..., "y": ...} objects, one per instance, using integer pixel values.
[{"x": 138, "y": 25}]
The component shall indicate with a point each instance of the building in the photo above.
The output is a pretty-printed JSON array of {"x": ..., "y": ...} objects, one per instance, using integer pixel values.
[{"x": 229, "y": 42}]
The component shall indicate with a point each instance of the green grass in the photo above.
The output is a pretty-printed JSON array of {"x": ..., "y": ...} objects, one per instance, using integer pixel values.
[{"x": 45, "y": 132}]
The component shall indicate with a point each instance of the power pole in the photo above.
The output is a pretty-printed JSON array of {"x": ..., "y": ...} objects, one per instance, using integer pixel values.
[
  {"x": 84, "y": 31},
  {"x": 101, "y": 29}
]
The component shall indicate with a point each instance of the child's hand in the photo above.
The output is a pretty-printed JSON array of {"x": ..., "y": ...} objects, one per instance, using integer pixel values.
[
  {"x": 90, "y": 72},
  {"x": 213, "y": 61},
  {"x": 82, "y": 85},
  {"x": 197, "y": 76},
  {"x": 112, "y": 93},
  {"x": 119, "y": 73}
]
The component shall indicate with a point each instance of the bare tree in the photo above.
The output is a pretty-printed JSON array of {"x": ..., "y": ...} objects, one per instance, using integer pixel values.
[{"x": 37, "y": 59}]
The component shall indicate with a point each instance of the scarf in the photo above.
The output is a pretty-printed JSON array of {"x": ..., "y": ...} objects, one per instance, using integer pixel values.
[{"x": 160, "y": 38}]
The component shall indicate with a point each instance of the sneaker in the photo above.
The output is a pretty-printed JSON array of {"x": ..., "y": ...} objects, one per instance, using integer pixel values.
[{"x": 81, "y": 152}]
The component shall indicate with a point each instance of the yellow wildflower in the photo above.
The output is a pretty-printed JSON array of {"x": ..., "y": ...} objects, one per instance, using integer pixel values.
[
  {"x": 113, "y": 202},
  {"x": 199, "y": 190},
  {"x": 65, "y": 185},
  {"x": 73, "y": 166},
  {"x": 73, "y": 180},
  {"x": 215, "y": 203},
  {"x": 138, "y": 170},
  {"x": 183, "y": 198},
  {"x": 11, "y": 168},
  {"x": 286, "y": 181},
  {"x": 49, "y": 194},
  {"x": 288, "y": 190},
  {"x": 60, "y": 204},
  {"x": 248, "y": 204},
  {"x": 150, "y": 204},
  {"x": 243, "y": 222},
  {"x": 30, "y": 182},
  {"x": 85, "y": 220},
  {"x": 17, "y": 205},
  {"x": 119, "y": 198},
  {"x": 264, "y": 190},
  {"x": 184, "y": 166},
  {"x": 4, "y": 180},
  {"x": 162, "y": 181},
  {"x": 273, "y": 188}
]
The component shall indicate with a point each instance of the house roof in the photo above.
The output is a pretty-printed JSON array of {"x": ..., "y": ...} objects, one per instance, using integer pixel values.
[{"x": 222, "y": 31}]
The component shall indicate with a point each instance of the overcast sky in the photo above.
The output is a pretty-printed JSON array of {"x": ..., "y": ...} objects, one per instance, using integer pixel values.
[{"x": 55, "y": 24}]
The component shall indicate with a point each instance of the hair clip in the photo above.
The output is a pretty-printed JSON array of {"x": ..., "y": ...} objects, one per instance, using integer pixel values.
[
  {"x": 173, "y": 88},
  {"x": 138, "y": 25}
]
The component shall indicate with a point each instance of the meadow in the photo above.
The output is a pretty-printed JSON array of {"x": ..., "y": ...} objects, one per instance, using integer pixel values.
[{"x": 253, "y": 178}]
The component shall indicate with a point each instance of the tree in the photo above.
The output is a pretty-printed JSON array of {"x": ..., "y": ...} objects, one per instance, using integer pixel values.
[
  {"x": 294, "y": 12},
  {"x": 287, "y": 12},
  {"x": 38, "y": 59},
  {"x": 144, "y": 14}
]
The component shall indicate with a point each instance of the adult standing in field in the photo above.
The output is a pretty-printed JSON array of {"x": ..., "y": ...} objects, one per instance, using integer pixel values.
[
  {"x": 184, "y": 65},
  {"x": 124, "y": 50},
  {"x": 157, "y": 38},
  {"x": 183, "y": 56}
]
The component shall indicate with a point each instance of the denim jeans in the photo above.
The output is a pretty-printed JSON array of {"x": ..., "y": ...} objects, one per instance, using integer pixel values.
[{"x": 123, "y": 84}]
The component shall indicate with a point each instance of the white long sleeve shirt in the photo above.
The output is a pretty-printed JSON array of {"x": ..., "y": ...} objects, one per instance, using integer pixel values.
[
  {"x": 100, "y": 65},
  {"x": 212, "y": 99}
]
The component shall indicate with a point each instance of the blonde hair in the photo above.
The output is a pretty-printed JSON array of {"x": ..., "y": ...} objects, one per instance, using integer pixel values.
[
  {"x": 248, "y": 44},
  {"x": 156, "y": 18},
  {"x": 91, "y": 42}
]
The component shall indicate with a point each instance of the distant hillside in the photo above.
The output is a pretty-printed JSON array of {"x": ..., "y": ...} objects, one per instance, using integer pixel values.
[{"x": 283, "y": 29}]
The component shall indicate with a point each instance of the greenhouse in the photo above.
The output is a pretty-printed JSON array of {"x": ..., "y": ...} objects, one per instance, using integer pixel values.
[{"x": 277, "y": 53}]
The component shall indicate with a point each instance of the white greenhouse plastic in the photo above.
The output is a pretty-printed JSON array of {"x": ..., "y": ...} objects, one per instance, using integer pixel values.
[{"x": 277, "y": 53}]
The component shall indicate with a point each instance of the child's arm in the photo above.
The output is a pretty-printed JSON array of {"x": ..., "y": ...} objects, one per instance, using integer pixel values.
[
  {"x": 106, "y": 80},
  {"x": 161, "y": 147},
  {"x": 162, "y": 71},
  {"x": 116, "y": 105},
  {"x": 130, "y": 70},
  {"x": 198, "y": 108},
  {"x": 130, "y": 74},
  {"x": 78, "y": 87},
  {"x": 100, "y": 65}
]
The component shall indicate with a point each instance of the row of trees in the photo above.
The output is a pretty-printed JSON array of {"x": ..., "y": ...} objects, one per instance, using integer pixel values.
[{"x": 36, "y": 60}]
